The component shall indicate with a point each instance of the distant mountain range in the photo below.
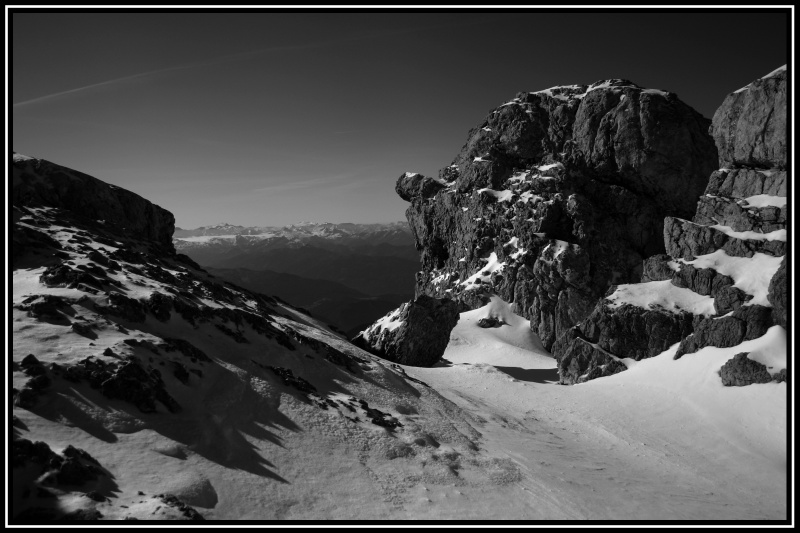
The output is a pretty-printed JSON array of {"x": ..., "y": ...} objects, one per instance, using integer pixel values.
[{"x": 346, "y": 274}]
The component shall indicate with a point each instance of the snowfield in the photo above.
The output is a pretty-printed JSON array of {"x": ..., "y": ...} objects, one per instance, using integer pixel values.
[{"x": 664, "y": 440}]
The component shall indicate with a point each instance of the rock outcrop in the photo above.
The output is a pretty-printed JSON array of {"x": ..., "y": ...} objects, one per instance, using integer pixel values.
[
  {"x": 740, "y": 371},
  {"x": 414, "y": 334},
  {"x": 749, "y": 128},
  {"x": 729, "y": 254},
  {"x": 557, "y": 195},
  {"x": 37, "y": 182}
]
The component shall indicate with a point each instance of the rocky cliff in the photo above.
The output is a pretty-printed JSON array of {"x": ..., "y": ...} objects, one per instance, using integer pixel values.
[
  {"x": 37, "y": 182},
  {"x": 557, "y": 195},
  {"x": 723, "y": 279}
]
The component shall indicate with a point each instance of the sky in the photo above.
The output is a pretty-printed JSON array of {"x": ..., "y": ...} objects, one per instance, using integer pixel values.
[{"x": 273, "y": 118}]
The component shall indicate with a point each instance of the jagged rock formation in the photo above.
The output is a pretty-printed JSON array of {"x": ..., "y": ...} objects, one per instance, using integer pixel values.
[
  {"x": 725, "y": 268},
  {"x": 556, "y": 196},
  {"x": 414, "y": 334},
  {"x": 188, "y": 390}
]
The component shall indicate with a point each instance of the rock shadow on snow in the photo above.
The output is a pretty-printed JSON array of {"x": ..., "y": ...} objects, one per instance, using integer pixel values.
[{"x": 531, "y": 375}]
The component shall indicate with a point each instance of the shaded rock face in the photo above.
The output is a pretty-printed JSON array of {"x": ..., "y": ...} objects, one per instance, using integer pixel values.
[
  {"x": 37, "y": 182},
  {"x": 741, "y": 214},
  {"x": 750, "y": 125},
  {"x": 415, "y": 334},
  {"x": 777, "y": 295},
  {"x": 740, "y": 371},
  {"x": 556, "y": 196}
]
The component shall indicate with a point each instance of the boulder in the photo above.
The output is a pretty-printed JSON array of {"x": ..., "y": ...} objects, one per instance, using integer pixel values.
[
  {"x": 415, "y": 334},
  {"x": 740, "y": 371}
]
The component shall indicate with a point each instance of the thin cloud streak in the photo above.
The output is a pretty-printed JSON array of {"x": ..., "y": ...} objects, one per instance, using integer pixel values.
[{"x": 233, "y": 57}]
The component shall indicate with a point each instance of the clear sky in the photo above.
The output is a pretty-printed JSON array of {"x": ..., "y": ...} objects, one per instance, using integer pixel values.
[{"x": 275, "y": 118}]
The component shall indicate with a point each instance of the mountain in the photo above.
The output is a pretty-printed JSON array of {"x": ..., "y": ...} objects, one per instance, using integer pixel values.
[
  {"x": 374, "y": 259},
  {"x": 146, "y": 389},
  {"x": 333, "y": 303}
]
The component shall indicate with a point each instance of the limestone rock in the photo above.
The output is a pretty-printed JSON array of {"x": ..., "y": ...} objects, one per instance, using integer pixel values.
[
  {"x": 37, "y": 182},
  {"x": 415, "y": 334},
  {"x": 740, "y": 371},
  {"x": 777, "y": 295},
  {"x": 750, "y": 125}
]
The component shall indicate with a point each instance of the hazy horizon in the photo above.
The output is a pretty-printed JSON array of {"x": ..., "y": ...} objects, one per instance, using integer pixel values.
[{"x": 268, "y": 119}]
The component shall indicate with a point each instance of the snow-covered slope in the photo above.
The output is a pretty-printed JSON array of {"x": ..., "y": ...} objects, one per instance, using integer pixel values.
[
  {"x": 144, "y": 388},
  {"x": 664, "y": 440}
]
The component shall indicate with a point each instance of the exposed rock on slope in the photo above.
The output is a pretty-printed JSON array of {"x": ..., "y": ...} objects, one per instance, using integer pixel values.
[
  {"x": 414, "y": 334},
  {"x": 37, "y": 182},
  {"x": 750, "y": 125},
  {"x": 556, "y": 196},
  {"x": 726, "y": 267},
  {"x": 150, "y": 390}
]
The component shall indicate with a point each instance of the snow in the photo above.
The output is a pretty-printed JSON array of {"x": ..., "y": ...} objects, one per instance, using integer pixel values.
[
  {"x": 750, "y": 274},
  {"x": 500, "y": 196},
  {"x": 21, "y": 157},
  {"x": 481, "y": 160},
  {"x": 765, "y": 200},
  {"x": 528, "y": 196},
  {"x": 493, "y": 265},
  {"x": 775, "y": 72},
  {"x": 777, "y": 235},
  {"x": 770, "y": 75},
  {"x": 411, "y": 174},
  {"x": 486, "y": 129},
  {"x": 661, "y": 295},
  {"x": 661, "y": 440},
  {"x": 551, "y": 165},
  {"x": 389, "y": 322}
]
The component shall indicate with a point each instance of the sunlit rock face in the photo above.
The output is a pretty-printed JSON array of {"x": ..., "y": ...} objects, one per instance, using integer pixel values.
[
  {"x": 726, "y": 266},
  {"x": 557, "y": 195}
]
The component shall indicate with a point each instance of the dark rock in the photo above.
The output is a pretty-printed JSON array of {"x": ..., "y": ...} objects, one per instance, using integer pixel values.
[
  {"x": 411, "y": 185},
  {"x": 420, "y": 337},
  {"x": 748, "y": 322},
  {"x": 290, "y": 380},
  {"x": 593, "y": 178},
  {"x": 740, "y": 371},
  {"x": 37, "y": 182},
  {"x": 777, "y": 295},
  {"x": 630, "y": 331},
  {"x": 750, "y": 125},
  {"x": 173, "y": 501},
  {"x": 685, "y": 239},
  {"x": 656, "y": 268},
  {"x": 124, "y": 307},
  {"x": 159, "y": 305},
  {"x": 83, "y": 329},
  {"x": 746, "y": 182},
  {"x": 582, "y": 360},
  {"x": 490, "y": 322},
  {"x": 30, "y": 360}
]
